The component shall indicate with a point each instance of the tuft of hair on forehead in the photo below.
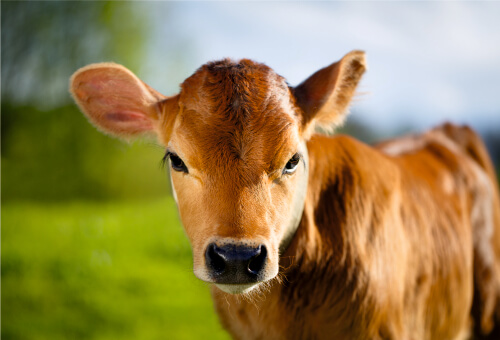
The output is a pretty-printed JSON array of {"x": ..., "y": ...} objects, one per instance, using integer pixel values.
[{"x": 237, "y": 89}]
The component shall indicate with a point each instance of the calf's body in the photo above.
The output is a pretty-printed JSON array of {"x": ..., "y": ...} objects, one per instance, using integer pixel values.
[
  {"x": 384, "y": 250},
  {"x": 312, "y": 237}
]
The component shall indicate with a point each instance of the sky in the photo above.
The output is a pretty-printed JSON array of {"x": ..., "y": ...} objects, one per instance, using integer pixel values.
[{"x": 428, "y": 62}]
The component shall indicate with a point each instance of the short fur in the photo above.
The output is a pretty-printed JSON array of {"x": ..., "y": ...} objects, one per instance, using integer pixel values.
[
  {"x": 396, "y": 241},
  {"x": 385, "y": 251}
]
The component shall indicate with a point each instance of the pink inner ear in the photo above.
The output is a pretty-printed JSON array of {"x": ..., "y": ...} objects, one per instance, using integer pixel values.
[
  {"x": 126, "y": 116},
  {"x": 133, "y": 121}
]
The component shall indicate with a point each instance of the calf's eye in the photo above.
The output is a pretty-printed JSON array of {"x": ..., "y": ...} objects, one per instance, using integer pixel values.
[
  {"x": 292, "y": 164},
  {"x": 176, "y": 162}
]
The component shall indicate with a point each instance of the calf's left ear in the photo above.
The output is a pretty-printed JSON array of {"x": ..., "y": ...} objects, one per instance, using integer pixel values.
[
  {"x": 116, "y": 101},
  {"x": 324, "y": 97}
]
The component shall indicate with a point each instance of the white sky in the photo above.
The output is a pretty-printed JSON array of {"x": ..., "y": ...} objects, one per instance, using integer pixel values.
[{"x": 428, "y": 61}]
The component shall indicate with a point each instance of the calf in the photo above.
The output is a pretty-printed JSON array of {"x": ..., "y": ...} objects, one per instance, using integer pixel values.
[{"x": 305, "y": 236}]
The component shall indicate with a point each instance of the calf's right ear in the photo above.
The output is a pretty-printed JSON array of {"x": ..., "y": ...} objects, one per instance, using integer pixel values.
[
  {"x": 325, "y": 96},
  {"x": 117, "y": 102}
]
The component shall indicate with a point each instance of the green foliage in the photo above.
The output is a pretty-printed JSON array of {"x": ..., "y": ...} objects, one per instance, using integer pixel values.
[
  {"x": 49, "y": 150},
  {"x": 58, "y": 155},
  {"x": 100, "y": 271},
  {"x": 44, "y": 42}
]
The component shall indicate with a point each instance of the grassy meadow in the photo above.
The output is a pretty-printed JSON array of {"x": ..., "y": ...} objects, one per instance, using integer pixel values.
[{"x": 89, "y": 270}]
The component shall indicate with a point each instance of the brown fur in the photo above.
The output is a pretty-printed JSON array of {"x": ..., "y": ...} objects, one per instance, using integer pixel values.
[
  {"x": 396, "y": 241},
  {"x": 382, "y": 252}
]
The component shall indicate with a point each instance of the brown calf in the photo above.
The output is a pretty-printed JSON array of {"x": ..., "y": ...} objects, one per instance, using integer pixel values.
[{"x": 311, "y": 237}]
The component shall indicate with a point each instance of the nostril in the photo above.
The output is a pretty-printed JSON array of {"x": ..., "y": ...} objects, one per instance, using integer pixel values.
[
  {"x": 235, "y": 263},
  {"x": 257, "y": 262},
  {"x": 214, "y": 260}
]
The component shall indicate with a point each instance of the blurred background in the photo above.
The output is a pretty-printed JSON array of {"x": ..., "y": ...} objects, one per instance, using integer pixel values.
[{"x": 91, "y": 243}]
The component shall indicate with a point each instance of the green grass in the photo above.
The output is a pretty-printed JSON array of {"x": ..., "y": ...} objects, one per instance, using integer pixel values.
[{"x": 101, "y": 271}]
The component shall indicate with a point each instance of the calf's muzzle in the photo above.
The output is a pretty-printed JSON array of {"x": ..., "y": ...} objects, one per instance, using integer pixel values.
[{"x": 235, "y": 263}]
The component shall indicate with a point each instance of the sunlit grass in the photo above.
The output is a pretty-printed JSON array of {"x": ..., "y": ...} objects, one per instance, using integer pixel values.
[{"x": 100, "y": 271}]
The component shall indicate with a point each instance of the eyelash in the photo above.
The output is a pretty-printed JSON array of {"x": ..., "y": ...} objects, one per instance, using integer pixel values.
[
  {"x": 176, "y": 162},
  {"x": 291, "y": 165}
]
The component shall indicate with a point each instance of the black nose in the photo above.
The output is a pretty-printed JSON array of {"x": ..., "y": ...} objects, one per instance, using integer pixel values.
[{"x": 232, "y": 263}]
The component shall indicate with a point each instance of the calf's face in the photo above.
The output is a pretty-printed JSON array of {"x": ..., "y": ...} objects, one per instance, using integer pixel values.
[{"x": 235, "y": 138}]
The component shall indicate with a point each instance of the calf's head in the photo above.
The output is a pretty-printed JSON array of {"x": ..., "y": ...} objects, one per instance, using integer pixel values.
[{"x": 235, "y": 138}]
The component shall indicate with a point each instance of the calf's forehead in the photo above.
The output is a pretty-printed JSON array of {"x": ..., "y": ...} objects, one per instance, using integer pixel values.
[
  {"x": 237, "y": 114},
  {"x": 233, "y": 88}
]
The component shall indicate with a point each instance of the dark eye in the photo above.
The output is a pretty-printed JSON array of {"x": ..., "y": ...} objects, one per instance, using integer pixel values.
[
  {"x": 292, "y": 164},
  {"x": 177, "y": 163}
]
